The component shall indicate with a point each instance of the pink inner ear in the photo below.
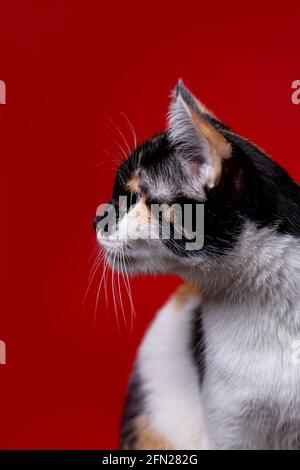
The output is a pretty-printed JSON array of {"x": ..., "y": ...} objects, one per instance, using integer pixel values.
[{"x": 195, "y": 167}]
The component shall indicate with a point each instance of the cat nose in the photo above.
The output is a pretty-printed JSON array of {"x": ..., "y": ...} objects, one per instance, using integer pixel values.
[{"x": 101, "y": 212}]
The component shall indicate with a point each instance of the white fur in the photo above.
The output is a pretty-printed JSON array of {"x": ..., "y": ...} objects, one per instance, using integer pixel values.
[
  {"x": 251, "y": 318},
  {"x": 170, "y": 378},
  {"x": 251, "y": 391},
  {"x": 250, "y": 397}
]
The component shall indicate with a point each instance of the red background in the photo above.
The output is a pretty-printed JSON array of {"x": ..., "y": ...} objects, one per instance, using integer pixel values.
[{"x": 67, "y": 66}]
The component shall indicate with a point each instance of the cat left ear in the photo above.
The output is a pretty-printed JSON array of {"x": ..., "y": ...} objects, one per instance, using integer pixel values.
[{"x": 198, "y": 141}]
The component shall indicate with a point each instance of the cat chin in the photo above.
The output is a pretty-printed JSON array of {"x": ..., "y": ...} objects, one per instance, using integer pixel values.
[
  {"x": 134, "y": 265},
  {"x": 123, "y": 263}
]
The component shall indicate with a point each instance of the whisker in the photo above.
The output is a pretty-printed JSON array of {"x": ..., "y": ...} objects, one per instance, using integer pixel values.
[
  {"x": 120, "y": 292},
  {"x": 105, "y": 267},
  {"x": 94, "y": 269},
  {"x": 118, "y": 161},
  {"x": 136, "y": 140},
  {"x": 113, "y": 290},
  {"x": 124, "y": 154},
  {"x": 120, "y": 133},
  {"x": 131, "y": 128},
  {"x": 96, "y": 263},
  {"x": 128, "y": 289}
]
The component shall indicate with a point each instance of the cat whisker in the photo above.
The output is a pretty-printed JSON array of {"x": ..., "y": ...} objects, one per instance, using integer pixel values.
[
  {"x": 134, "y": 136},
  {"x": 96, "y": 263},
  {"x": 120, "y": 291},
  {"x": 123, "y": 152},
  {"x": 118, "y": 161},
  {"x": 94, "y": 269},
  {"x": 113, "y": 289},
  {"x": 120, "y": 133},
  {"x": 128, "y": 288},
  {"x": 131, "y": 128},
  {"x": 95, "y": 251},
  {"x": 102, "y": 280}
]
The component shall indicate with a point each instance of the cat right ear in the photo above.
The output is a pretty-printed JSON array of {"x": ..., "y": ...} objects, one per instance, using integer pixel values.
[{"x": 198, "y": 142}]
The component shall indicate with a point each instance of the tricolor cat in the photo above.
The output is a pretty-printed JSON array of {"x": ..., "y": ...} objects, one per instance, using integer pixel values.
[{"x": 215, "y": 369}]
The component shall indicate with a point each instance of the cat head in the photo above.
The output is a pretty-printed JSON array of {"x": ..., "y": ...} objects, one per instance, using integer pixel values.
[{"x": 183, "y": 199}]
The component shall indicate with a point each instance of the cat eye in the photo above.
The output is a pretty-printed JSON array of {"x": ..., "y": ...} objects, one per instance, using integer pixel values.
[
  {"x": 135, "y": 199},
  {"x": 138, "y": 197}
]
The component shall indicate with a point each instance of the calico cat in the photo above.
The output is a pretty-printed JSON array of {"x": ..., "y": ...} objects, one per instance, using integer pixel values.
[{"x": 215, "y": 370}]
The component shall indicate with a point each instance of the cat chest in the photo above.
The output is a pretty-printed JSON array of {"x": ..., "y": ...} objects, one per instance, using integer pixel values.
[{"x": 251, "y": 382}]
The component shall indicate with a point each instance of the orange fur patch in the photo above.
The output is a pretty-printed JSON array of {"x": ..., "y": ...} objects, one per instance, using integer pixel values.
[
  {"x": 220, "y": 149},
  {"x": 204, "y": 109},
  {"x": 133, "y": 184},
  {"x": 185, "y": 291},
  {"x": 147, "y": 439}
]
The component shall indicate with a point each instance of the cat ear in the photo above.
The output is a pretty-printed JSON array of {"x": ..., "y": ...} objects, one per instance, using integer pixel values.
[{"x": 197, "y": 140}]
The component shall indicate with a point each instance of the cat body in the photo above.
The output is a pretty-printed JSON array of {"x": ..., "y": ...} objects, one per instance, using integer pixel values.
[
  {"x": 240, "y": 390},
  {"x": 215, "y": 369}
]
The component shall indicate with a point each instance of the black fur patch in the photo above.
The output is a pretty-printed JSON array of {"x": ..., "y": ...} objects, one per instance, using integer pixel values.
[
  {"x": 270, "y": 197},
  {"x": 134, "y": 407},
  {"x": 198, "y": 343},
  {"x": 252, "y": 188}
]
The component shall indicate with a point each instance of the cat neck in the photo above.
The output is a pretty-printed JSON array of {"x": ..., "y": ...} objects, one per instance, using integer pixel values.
[{"x": 262, "y": 272}]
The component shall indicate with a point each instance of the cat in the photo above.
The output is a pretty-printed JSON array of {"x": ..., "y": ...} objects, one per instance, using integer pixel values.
[{"x": 215, "y": 368}]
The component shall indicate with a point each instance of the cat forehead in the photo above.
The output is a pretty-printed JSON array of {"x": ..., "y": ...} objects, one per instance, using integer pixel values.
[
  {"x": 146, "y": 156},
  {"x": 155, "y": 151},
  {"x": 152, "y": 156},
  {"x": 151, "y": 170},
  {"x": 156, "y": 183}
]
